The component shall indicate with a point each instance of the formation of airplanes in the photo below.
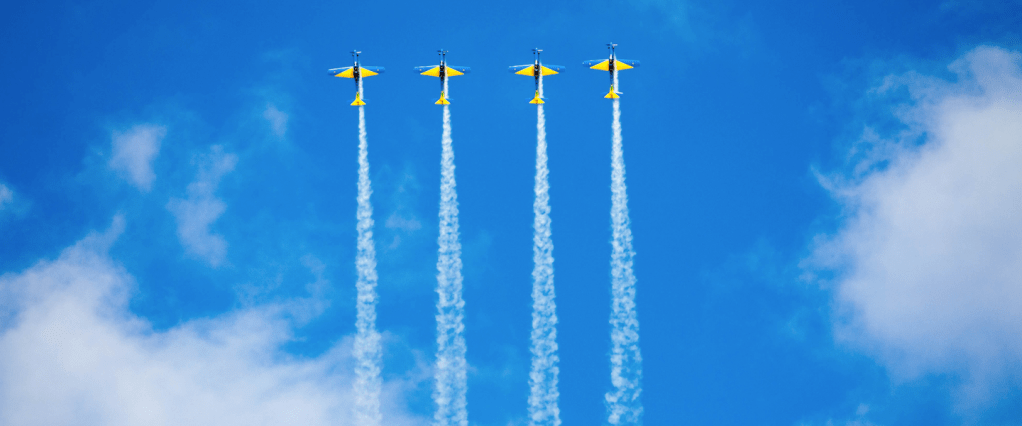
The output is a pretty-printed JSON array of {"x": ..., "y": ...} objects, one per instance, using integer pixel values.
[{"x": 537, "y": 70}]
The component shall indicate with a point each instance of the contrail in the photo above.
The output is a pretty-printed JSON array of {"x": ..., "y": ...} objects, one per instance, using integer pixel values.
[
  {"x": 451, "y": 378},
  {"x": 543, "y": 408},
  {"x": 623, "y": 404},
  {"x": 367, "y": 339}
]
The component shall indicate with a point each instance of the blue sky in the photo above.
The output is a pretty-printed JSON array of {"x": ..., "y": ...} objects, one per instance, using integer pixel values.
[{"x": 824, "y": 199}]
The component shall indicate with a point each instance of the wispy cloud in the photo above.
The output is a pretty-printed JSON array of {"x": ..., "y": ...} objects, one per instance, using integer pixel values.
[
  {"x": 197, "y": 213},
  {"x": 6, "y": 196},
  {"x": 134, "y": 151},
  {"x": 73, "y": 354},
  {"x": 859, "y": 419},
  {"x": 408, "y": 224},
  {"x": 277, "y": 119},
  {"x": 928, "y": 260}
]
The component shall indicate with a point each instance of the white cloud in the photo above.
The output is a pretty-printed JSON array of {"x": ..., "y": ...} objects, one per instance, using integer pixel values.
[
  {"x": 197, "y": 213},
  {"x": 277, "y": 119},
  {"x": 134, "y": 151},
  {"x": 71, "y": 353},
  {"x": 928, "y": 259},
  {"x": 6, "y": 196}
]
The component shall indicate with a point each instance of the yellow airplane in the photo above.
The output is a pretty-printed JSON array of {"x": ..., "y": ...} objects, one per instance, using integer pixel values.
[
  {"x": 537, "y": 70},
  {"x": 356, "y": 71},
  {"x": 613, "y": 64},
  {"x": 443, "y": 71}
]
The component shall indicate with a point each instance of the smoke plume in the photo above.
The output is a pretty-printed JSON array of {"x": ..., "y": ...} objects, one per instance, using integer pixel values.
[
  {"x": 543, "y": 408},
  {"x": 623, "y": 404},
  {"x": 367, "y": 340},
  {"x": 451, "y": 378}
]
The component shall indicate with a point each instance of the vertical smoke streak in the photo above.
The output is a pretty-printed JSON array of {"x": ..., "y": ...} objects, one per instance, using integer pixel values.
[
  {"x": 451, "y": 379},
  {"x": 367, "y": 340},
  {"x": 543, "y": 408},
  {"x": 623, "y": 404}
]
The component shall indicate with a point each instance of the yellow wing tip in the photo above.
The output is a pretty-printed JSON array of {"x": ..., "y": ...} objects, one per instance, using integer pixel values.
[
  {"x": 443, "y": 100},
  {"x": 358, "y": 100}
]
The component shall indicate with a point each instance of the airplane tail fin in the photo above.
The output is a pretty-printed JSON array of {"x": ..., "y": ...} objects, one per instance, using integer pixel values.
[
  {"x": 537, "y": 99},
  {"x": 443, "y": 100},
  {"x": 611, "y": 94},
  {"x": 358, "y": 100}
]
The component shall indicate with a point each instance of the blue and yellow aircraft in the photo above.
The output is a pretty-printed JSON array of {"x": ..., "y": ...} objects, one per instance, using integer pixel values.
[
  {"x": 613, "y": 64},
  {"x": 443, "y": 71},
  {"x": 537, "y": 70},
  {"x": 356, "y": 71}
]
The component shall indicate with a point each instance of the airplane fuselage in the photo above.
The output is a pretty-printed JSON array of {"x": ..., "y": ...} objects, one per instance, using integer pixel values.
[
  {"x": 537, "y": 70},
  {"x": 610, "y": 66}
]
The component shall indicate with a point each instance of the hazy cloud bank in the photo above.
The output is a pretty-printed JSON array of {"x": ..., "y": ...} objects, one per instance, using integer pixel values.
[
  {"x": 927, "y": 261},
  {"x": 71, "y": 353}
]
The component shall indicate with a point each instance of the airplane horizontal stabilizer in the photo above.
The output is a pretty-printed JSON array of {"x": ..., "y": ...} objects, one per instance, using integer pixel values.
[
  {"x": 443, "y": 100},
  {"x": 358, "y": 100},
  {"x": 537, "y": 100}
]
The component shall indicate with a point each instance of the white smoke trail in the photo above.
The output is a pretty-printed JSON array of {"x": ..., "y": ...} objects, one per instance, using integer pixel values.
[
  {"x": 623, "y": 404},
  {"x": 451, "y": 378},
  {"x": 543, "y": 408},
  {"x": 367, "y": 340}
]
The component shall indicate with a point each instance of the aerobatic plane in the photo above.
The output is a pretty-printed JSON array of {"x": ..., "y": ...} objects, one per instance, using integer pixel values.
[
  {"x": 537, "y": 70},
  {"x": 356, "y": 71},
  {"x": 443, "y": 71},
  {"x": 613, "y": 64}
]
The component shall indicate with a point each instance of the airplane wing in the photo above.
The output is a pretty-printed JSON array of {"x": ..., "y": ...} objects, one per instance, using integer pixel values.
[
  {"x": 551, "y": 69},
  {"x": 346, "y": 72},
  {"x": 371, "y": 71},
  {"x": 623, "y": 64},
  {"x": 530, "y": 70},
  {"x": 453, "y": 70},
  {"x": 430, "y": 70},
  {"x": 521, "y": 69},
  {"x": 604, "y": 64},
  {"x": 598, "y": 64}
]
